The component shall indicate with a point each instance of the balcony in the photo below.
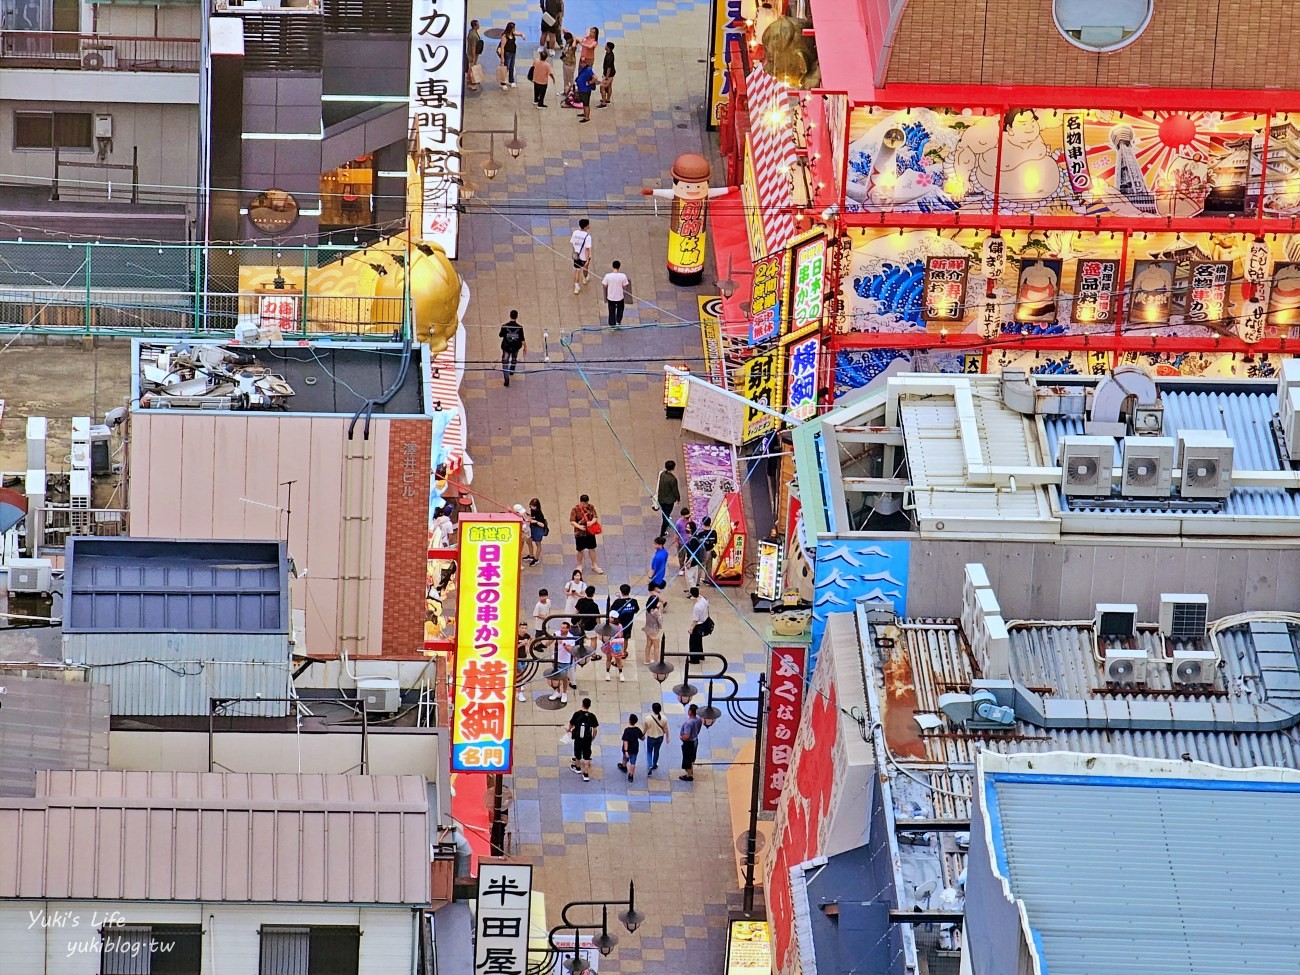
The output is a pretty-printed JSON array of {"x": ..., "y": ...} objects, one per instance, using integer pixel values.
[
  {"x": 60, "y": 50},
  {"x": 266, "y": 6}
]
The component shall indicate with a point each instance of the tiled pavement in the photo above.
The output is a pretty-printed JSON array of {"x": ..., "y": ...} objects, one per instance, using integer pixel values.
[{"x": 549, "y": 435}]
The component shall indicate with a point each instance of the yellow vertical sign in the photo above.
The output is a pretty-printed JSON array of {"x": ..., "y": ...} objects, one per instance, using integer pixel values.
[
  {"x": 753, "y": 213},
  {"x": 487, "y": 624}
]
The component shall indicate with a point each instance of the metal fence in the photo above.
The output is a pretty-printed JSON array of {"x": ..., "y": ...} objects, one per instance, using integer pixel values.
[
  {"x": 152, "y": 289},
  {"x": 58, "y": 522},
  {"x": 97, "y": 52}
]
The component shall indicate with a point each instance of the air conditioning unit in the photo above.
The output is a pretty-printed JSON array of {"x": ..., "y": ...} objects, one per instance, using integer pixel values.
[
  {"x": 1194, "y": 667},
  {"x": 1147, "y": 420},
  {"x": 1125, "y": 665},
  {"x": 1148, "y": 467},
  {"x": 1205, "y": 457},
  {"x": 379, "y": 695},
  {"x": 980, "y": 605},
  {"x": 1184, "y": 616},
  {"x": 1115, "y": 621},
  {"x": 975, "y": 580},
  {"x": 1289, "y": 417},
  {"x": 1086, "y": 464},
  {"x": 991, "y": 645},
  {"x": 31, "y": 575},
  {"x": 98, "y": 56}
]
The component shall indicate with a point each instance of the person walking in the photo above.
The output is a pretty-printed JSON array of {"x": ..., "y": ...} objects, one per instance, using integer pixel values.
[
  {"x": 552, "y": 18},
  {"x": 561, "y": 678},
  {"x": 659, "y": 564},
  {"x": 632, "y": 736},
  {"x": 656, "y": 728},
  {"x": 681, "y": 535},
  {"x": 653, "y": 628},
  {"x": 583, "y": 727},
  {"x": 507, "y": 49},
  {"x": 538, "y": 528},
  {"x": 540, "y": 75},
  {"x": 473, "y": 49},
  {"x": 624, "y": 609},
  {"x": 568, "y": 64},
  {"x": 586, "y": 526},
  {"x": 573, "y": 590},
  {"x": 701, "y": 626},
  {"x": 607, "y": 76},
  {"x": 586, "y": 84},
  {"x": 690, "y": 738},
  {"x": 580, "y": 244},
  {"x": 667, "y": 494},
  {"x": 616, "y": 286},
  {"x": 587, "y": 615},
  {"x": 513, "y": 342}
]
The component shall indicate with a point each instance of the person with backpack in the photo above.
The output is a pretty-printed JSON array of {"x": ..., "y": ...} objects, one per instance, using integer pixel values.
[
  {"x": 580, "y": 244},
  {"x": 632, "y": 736},
  {"x": 701, "y": 626},
  {"x": 624, "y": 609},
  {"x": 656, "y": 728},
  {"x": 654, "y": 623},
  {"x": 513, "y": 342}
]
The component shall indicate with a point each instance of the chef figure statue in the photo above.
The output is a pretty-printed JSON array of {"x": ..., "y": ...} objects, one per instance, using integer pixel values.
[{"x": 690, "y": 194}]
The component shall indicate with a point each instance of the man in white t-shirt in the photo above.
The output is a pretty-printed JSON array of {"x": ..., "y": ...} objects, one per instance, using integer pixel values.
[
  {"x": 701, "y": 626},
  {"x": 580, "y": 244},
  {"x": 617, "y": 286}
]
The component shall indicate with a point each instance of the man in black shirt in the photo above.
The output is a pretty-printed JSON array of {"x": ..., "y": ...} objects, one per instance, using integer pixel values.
[
  {"x": 583, "y": 726},
  {"x": 587, "y": 615},
  {"x": 512, "y": 343}
]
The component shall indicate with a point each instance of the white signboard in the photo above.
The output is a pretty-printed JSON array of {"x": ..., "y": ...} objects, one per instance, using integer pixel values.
[
  {"x": 505, "y": 894},
  {"x": 437, "y": 80},
  {"x": 709, "y": 411}
]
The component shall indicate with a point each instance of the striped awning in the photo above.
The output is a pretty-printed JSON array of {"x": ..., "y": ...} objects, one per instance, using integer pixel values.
[
  {"x": 444, "y": 387},
  {"x": 772, "y": 143}
]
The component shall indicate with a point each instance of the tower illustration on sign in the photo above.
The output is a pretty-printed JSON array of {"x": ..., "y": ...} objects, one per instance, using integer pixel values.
[{"x": 1128, "y": 174}]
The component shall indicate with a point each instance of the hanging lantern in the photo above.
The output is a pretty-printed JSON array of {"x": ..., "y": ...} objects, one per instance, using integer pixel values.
[
  {"x": 991, "y": 317},
  {"x": 993, "y": 257},
  {"x": 1255, "y": 279},
  {"x": 1250, "y": 324}
]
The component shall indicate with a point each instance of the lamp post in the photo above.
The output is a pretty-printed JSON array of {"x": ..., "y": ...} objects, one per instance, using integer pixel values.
[
  {"x": 604, "y": 942},
  {"x": 709, "y": 714}
]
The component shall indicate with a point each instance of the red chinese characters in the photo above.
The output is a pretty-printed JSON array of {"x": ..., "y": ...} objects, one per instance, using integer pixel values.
[{"x": 785, "y": 704}]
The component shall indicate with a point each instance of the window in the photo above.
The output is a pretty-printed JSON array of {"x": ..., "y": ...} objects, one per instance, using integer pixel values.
[
  {"x": 310, "y": 951},
  {"x": 45, "y": 130},
  {"x": 151, "y": 949},
  {"x": 1101, "y": 25}
]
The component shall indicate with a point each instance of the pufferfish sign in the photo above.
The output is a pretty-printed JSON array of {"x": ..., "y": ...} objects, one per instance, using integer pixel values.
[{"x": 690, "y": 194}]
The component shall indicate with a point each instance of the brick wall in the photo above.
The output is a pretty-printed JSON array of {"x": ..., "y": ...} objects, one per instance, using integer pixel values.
[
  {"x": 1188, "y": 44},
  {"x": 407, "y": 539}
]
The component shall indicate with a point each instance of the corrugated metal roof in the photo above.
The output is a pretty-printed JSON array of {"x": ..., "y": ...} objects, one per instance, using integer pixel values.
[
  {"x": 49, "y": 723},
  {"x": 1147, "y": 886},
  {"x": 186, "y": 836},
  {"x": 1246, "y": 416},
  {"x": 142, "y": 585}
]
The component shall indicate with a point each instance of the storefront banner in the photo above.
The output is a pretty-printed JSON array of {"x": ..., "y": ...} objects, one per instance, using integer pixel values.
[
  {"x": 945, "y": 289},
  {"x": 801, "y": 377},
  {"x": 761, "y": 381},
  {"x": 1207, "y": 291},
  {"x": 726, "y": 24},
  {"x": 715, "y": 365},
  {"x": 1152, "y": 301},
  {"x": 749, "y": 948},
  {"x": 501, "y": 917},
  {"x": 1284, "y": 295},
  {"x": 785, "y": 705},
  {"x": 768, "y": 581},
  {"x": 1037, "y": 291},
  {"x": 487, "y": 621},
  {"x": 753, "y": 211},
  {"x": 436, "y": 82},
  {"x": 1094, "y": 291},
  {"x": 1075, "y": 151},
  {"x": 765, "y": 301},
  {"x": 808, "y": 290}
]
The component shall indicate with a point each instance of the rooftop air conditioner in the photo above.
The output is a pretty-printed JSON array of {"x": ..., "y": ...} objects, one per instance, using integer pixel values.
[
  {"x": 1148, "y": 467},
  {"x": 1115, "y": 621},
  {"x": 1205, "y": 457},
  {"x": 1184, "y": 616},
  {"x": 1194, "y": 667},
  {"x": 31, "y": 575},
  {"x": 1086, "y": 465},
  {"x": 379, "y": 695},
  {"x": 1126, "y": 665}
]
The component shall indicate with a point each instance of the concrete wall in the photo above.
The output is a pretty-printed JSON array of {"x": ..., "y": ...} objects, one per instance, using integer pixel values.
[
  {"x": 1043, "y": 580},
  {"x": 389, "y": 752},
  {"x": 196, "y": 476},
  {"x": 166, "y": 134},
  {"x": 231, "y": 933}
]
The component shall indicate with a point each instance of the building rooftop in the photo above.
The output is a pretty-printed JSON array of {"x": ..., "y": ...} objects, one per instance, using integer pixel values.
[
  {"x": 1138, "y": 889},
  {"x": 146, "y": 585},
  {"x": 325, "y": 378},
  {"x": 1031, "y": 458},
  {"x": 232, "y": 837},
  {"x": 49, "y": 722}
]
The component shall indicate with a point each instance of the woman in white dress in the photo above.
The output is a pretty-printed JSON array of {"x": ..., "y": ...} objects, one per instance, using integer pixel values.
[{"x": 573, "y": 590}]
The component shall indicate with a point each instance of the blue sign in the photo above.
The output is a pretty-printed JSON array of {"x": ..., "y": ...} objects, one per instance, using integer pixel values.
[{"x": 849, "y": 571}]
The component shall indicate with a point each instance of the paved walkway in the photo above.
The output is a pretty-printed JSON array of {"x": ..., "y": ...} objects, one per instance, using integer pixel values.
[{"x": 591, "y": 421}]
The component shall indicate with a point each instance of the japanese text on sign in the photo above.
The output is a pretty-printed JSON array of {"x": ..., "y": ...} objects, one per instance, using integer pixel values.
[
  {"x": 760, "y": 381},
  {"x": 1094, "y": 287},
  {"x": 801, "y": 370},
  {"x": 993, "y": 257},
  {"x": 809, "y": 285},
  {"x": 1076, "y": 152},
  {"x": 486, "y": 623},
  {"x": 785, "y": 704},
  {"x": 1207, "y": 293},
  {"x": 505, "y": 893},
  {"x": 278, "y": 311},
  {"x": 765, "y": 299},
  {"x": 437, "y": 75},
  {"x": 945, "y": 289}
]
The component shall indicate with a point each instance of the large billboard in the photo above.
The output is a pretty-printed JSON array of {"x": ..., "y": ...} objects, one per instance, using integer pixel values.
[
  {"x": 436, "y": 81},
  {"x": 487, "y": 621}
]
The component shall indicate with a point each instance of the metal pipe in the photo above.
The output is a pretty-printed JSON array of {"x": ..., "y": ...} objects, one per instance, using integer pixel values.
[{"x": 751, "y": 839}]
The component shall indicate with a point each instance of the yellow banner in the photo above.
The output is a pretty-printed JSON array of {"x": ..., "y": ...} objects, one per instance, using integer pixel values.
[
  {"x": 761, "y": 381},
  {"x": 487, "y": 624}
]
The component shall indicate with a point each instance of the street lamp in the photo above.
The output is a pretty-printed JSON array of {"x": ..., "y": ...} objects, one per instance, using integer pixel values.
[
  {"x": 604, "y": 942},
  {"x": 492, "y": 167}
]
